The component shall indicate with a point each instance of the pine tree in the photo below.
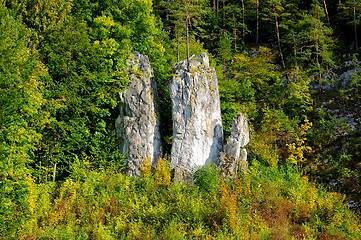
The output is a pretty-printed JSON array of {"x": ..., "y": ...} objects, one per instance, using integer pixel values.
[
  {"x": 186, "y": 16},
  {"x": 350, "y": 11},
  {"x": 276, "y": 11},
  {"x": 315, "y": 41},
  {"x": 225, "y": 47},
  {"x": 235, "y": 22}
]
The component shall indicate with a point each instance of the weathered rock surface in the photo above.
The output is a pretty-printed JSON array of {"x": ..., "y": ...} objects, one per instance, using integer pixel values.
[
  {"x": 138, "y": 123},
  {"x": 235, "y": 154},
  {"x": 197, "y": 123}
]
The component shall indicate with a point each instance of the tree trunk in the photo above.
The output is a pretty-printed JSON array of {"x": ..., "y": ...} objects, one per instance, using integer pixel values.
[
  {"x": 279, "y": 42},
  {"x": 328, "y": 18},
  {"x": 355, "y": 26},
  {"x": 243, "y": 24},
  {"x": 214, "y": 6},
  {"x": 257, "y": 28},
  {"x": 234, "y": 33},
  {"x": 54, "y": 172}
]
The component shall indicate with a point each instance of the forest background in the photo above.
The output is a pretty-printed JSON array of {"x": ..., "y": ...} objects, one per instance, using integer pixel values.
[{"x": 279, "y": 62}]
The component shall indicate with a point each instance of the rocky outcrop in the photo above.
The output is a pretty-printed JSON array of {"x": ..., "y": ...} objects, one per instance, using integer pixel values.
[
  {"x": 197, "y": 123},
  {"x": 138, "y": 123},
  {"x": 235, "y": 154}
]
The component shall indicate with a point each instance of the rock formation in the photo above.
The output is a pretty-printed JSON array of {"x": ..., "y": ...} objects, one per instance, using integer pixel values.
[
  {"x": 233, "y": 156},
  {"x": 197, "y": 123},
  {"x": 138, "y": 123}
]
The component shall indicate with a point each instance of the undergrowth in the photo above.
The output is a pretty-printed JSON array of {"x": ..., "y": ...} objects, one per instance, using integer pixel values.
[{"x": 264, "y": 203}]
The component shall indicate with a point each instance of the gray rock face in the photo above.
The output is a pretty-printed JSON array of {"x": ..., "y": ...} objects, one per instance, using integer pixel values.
[
  {"x": 138, "y": 123},
  {"x": 197, "y": 123},
  {"x": 233, "y": 156}
]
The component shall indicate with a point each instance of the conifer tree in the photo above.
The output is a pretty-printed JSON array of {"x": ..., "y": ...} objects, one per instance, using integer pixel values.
[
  {"x": 350, "y": 10},
  {"x": 235, "y": 22},
  {"x": 225, "y": 47},
  {"x": 276, "y": 11},
  {"x": 186, "y": 16},
  {"x": 316, "y": 40}
]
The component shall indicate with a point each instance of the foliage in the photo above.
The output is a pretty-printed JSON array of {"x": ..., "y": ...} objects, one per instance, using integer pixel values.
[
  {"x": 22, "y": 119},
  {"x": 162, "y": 173},
  {"x": 317, "y": 41},
  {"x": 252, "y": 84},
  {"x": 62, "y": 65},
  {"x": 225, "y": 48},
  {"x": 299, "y": 100},
  {"x": 84, "y": 44},
  {"x": 258, "y": 77},
  {"x": 266, "y": 202},
  {"x": 207, "y": 179},
  {"x": 334, "y": 158},
  {"x": 275, "y": 132},
  {"x": 298, "y": 149}
]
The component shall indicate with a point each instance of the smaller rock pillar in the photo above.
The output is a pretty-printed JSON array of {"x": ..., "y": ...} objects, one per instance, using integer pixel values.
[{"x": 235, "y": 154}]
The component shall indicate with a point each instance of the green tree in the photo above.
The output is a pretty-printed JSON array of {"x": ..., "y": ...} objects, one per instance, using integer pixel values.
[
  {"x": 315, "y": 42},
  {"x": 258, "y": 69},
  {"x": 234, "y": 22},
  {"x": 186, "y": 16},
  {"x": 225, "y": 47},
  {"x": 276, "y": 11},
  {"x": 350, "y": 10},
  {"x": 299, "y": 100},
  {"x": 22, "y": 119},
  {"x": 252, "y": 84},
  {"x": 84, "y": 44}
]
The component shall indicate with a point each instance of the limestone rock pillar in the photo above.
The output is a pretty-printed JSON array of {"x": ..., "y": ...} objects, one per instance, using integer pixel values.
[
  {"x": 235, "y": 154},
  {"x": 138, "y": 123},
  {"x": 197, "y": 123}
]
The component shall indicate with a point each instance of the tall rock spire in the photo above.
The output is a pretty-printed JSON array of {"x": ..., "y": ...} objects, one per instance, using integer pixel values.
[
  {"x": 197, "y": 123},
  {"x": 138, "y": 123}
]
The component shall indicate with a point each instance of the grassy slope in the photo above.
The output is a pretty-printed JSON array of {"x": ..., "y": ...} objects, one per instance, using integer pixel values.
[{"x": 265, "y": 203}]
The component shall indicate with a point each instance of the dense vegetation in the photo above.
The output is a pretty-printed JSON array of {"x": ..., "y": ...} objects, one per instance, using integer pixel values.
[
  {"x": 61, "y": 67},
  {"x": 265, "y": 203}
]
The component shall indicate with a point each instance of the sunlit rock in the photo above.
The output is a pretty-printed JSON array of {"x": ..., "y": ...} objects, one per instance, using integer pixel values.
[
  {"x": 235, "y": 154},
  {"x": 138, "y": 123},
  {"x": 197, "y": 123}
]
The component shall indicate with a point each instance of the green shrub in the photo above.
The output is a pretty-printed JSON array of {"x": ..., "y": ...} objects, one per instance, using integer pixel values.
[{"x": 207, "y": 178}]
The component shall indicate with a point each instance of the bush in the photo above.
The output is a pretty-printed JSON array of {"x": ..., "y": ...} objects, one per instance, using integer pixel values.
[{"x": 207, "y": 179}]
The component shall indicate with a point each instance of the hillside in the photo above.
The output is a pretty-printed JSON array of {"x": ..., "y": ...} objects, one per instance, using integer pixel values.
[{"x": 291, "y": 67}]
